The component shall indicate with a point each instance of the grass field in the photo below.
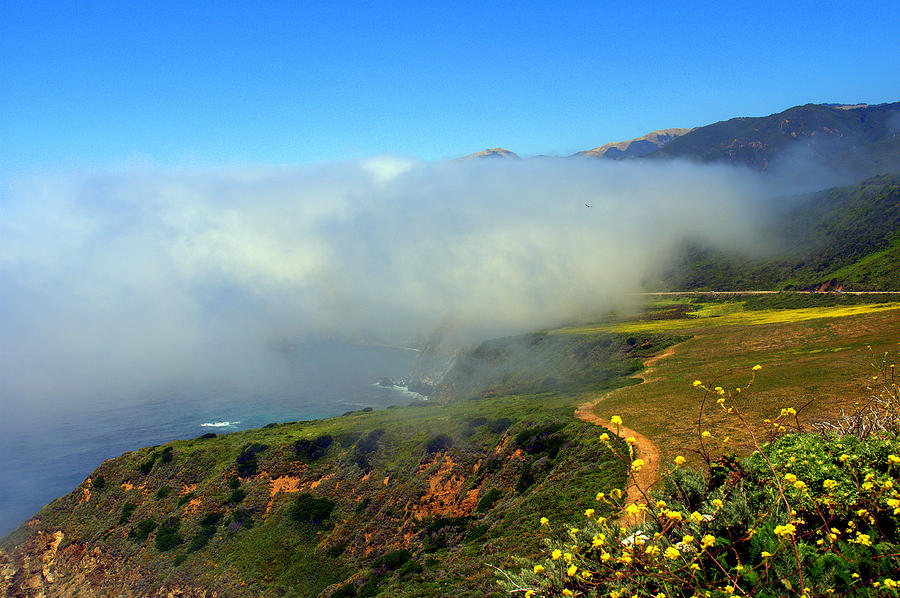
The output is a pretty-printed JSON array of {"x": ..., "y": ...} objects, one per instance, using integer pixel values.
[
  {"x": 817, "y": 354},
  {"x": 714, "y": 315}
]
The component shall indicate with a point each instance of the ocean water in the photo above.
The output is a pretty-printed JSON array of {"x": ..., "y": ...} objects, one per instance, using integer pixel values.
[{"x": 45, "y": 453}]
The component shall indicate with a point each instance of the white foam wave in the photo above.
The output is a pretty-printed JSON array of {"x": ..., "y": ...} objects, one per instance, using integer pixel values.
[{"x": 218, "y": 424}]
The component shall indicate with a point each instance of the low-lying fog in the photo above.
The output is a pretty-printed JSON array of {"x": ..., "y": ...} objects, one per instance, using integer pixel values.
[{"x": 117, "y": 282}]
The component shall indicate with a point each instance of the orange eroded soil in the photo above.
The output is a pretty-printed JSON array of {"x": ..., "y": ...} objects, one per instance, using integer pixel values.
[{"x": 285, "y": 484}]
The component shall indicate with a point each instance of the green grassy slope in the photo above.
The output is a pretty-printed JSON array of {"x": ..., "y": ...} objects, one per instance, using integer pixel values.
[{"x": 846, "y": 236}]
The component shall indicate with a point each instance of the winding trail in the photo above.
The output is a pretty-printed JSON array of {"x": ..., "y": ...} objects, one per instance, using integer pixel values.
[{"x": 644, "y": 447}]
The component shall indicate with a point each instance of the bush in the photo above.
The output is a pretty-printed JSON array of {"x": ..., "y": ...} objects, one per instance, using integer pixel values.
[
  {"x": 246, "y": 461},
  {"x": 487, "y": 501},
  {"x": 167, "y": 536},
  {"x": 163, "y": 492},
  {"x": 367, "y": 445},
  {"x": 98, "y": 483},
  {"x": 206, "y": 436},
  {"x": 310, "y": 509},
  {"x": 496, "y": 426},
  {"x": 438, "y": 443},
  {"x": 312, "y": 450},
  {"x": 237, "y": 496},
  {"x": 142, "y": 530},
  {"x": 392, "y": 560},
  {"x": 127, "y": 509},
  {"x": 207, "y": 530}
]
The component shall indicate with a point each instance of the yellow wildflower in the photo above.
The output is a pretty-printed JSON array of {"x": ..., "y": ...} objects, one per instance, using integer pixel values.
[
  {"x": 679, "y": 460},
  {"x": 788, "y": 529},
  {"x": 631, "y": 440},
  {"x": 757, "y": 367},
  {"x": 604, "y": 437},
  {"x": 589, "y": 513},
  {"x": 707, "y": 541},
  {"x": 615, "y": 420},
  {"x": 556, "y": 554},
  {"x": 687, "y": 539},
  {"x": 567, "y": 592},
  {"x": 829, "y": 484},
  {"x": 705, "y": 434},
  {"x": 697, "y": 383},
  {"x": 672, "y": 553},
  {"x": 538, "y": 569},
  {"x": 545, "y": 521},
  {"x": 636, "y": 465},
  {"x": 765, "y": 554},
  {"x": 572, "y": 570},
  {"x": 717, "y": 503},
  {"x": 696, "y": 517},
  {"x": 893, "y": 459}
]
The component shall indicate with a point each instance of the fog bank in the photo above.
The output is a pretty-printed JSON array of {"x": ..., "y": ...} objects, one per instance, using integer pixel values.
[{"x": 117, "y": 282}]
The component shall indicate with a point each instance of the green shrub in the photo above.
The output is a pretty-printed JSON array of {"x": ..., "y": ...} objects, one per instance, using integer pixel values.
[
  {"x": 487, "y": 501},
  {"x": 127, "y": 509},
  {"x": 314, "y": 449},
  {"x": 167, "y": 536},
  {"x": 246, "y": 461},
  {"x": 98, "y": 483},
  {"x": 496, "y": 426},
  {"x": 142, "y": 530},
  {"x": 237, "y": 496},
  {"x": 310, "y": 509},
  {"x": 163, "y": 492},
  {"x": 392, "y": 560},
  {"x": 440, "y": 442}
]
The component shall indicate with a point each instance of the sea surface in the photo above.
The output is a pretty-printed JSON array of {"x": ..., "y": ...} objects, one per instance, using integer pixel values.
[{"x": 45, "y": 453}]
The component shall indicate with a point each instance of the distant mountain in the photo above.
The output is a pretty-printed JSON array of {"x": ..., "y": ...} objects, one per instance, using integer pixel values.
[
  {"x": 859, "y": 136},
  {"x": 493, "y": 153},
  {"x": 634, "y": 148}
]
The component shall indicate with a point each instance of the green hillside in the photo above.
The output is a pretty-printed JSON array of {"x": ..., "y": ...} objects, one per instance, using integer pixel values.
[{"x": 847, "y": 237}]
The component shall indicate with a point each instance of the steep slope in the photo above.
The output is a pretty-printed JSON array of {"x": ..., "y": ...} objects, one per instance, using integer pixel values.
[
  {"x": 862, "y": 135},
  {"x": 842, "y": 238},
  {"x": 634, "y": 148}
]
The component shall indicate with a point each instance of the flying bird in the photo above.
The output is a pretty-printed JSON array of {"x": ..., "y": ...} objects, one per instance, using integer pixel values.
[{"x": 588, "y": 206}]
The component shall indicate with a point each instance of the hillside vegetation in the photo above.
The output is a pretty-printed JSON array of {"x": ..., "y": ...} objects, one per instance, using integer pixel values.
[{"x": 844, "y": 238}]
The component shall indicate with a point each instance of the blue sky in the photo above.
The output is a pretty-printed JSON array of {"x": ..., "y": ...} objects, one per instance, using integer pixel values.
[{"x": 88, "y": 84}]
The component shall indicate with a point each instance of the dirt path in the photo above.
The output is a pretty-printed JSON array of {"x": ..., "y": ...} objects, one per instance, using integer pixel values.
[{"x": 644, "y": 447}]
